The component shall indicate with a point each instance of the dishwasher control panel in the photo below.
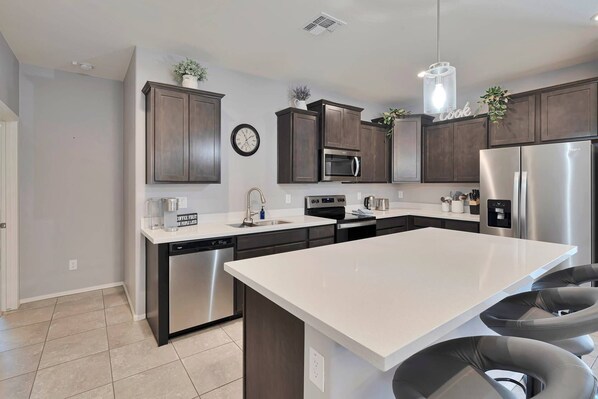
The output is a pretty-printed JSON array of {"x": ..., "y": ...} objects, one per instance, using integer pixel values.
[{"x": 200, "y": 245}]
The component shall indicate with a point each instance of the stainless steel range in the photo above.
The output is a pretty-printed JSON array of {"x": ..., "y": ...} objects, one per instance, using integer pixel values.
[{"x": 349, "y": 227}]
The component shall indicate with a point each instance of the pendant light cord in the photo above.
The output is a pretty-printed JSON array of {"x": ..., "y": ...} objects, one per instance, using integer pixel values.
[{"x": 437, "y": 30}]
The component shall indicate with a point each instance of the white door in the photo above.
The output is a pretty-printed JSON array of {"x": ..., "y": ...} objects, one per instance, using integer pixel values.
[{"x": 2, "y": 214}]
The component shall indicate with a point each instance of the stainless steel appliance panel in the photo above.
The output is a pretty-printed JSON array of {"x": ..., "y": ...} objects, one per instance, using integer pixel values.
[
  {"x": 340, "y": 165},
  {"x": 406, "y": 151},
  {"x": 200, "y": 290},
  {"x": 556, "y": 196},
  {"x": 499, "y": 180}
]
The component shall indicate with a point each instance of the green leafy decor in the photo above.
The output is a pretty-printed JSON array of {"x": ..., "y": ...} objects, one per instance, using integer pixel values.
[
  {"x": 496, "y": 98},
  {"x": 389, "y": 117},
  {"x": 190, "y": 67}
]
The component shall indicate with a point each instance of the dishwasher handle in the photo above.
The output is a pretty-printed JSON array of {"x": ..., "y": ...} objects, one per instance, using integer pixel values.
[{"x": 186, "y": 247}]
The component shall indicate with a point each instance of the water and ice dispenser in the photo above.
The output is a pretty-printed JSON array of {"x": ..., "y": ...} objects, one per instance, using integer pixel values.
[{"x": 499, "y": 213}]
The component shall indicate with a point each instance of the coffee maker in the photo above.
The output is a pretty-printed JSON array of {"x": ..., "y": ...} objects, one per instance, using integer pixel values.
[{"x": 170, "y": 206}]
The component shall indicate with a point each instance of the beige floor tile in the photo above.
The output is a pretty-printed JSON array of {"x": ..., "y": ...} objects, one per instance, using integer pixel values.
[
  {"x": 139, "y": 356},
  {"x": 118, "y": 314},
  {"x": 38, "y": 304},
  {"x": 234, "y": 390},
  {"x": 20, "y": 361},
  {"x": 103, "y": 392},
  {"x": 215, "y": 367},
  {"x": 17, "y": 387},
  {"x": 239, "y": 344},
  {"x": 74, "y": 307},
  {"x": 115, "y": 299},
  {"x": 589, "y": 359},
  {"x": 23, "y": 336},
  {"x": 200, "y": 341},
  {"x": 76, "y": 324},
  {"x": 78, "y": 297},
  {"x": 168, "y": 381},
  {"x": 113, "y": 290},
  {"x": 234, "y": 329},
  {"x": 22, "y": 318},
  {"x": 71, "y": 378},
  {"x": 74, "y": 347},
  {"x": 127, "y": 333}
]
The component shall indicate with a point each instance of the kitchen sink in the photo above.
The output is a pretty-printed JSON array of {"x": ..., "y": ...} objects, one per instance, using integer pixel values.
[{"x": 260, "y": 223}]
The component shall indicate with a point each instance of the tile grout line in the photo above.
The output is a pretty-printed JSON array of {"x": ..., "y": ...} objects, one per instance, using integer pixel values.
[
  {"x": 221, "y": 386},
  {"x": 37, "y": 322},
  {"x": 185, "y": 368}
]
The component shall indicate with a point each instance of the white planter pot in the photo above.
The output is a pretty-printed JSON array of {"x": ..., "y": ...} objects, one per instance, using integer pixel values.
[
  {"x": 300, "y": 104},
  {"x": 190, "y": 81}
]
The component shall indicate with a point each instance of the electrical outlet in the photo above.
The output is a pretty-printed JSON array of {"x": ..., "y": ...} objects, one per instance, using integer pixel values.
[
  {"x": 287, "y": 199},
  {"x": 316, "y": 368},
  {"x": 359, "y": 195},
  {"x": 400, "y": 194},
  {"x": 73, "y": 264},
  {"x": 182, "y": 202}
]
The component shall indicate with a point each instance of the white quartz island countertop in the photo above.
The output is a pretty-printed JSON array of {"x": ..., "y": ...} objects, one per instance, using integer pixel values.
[{"x": 386, "y": 298}]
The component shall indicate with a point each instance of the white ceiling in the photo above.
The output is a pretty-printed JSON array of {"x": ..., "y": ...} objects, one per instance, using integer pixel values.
[{"x": 375, "y": 57}]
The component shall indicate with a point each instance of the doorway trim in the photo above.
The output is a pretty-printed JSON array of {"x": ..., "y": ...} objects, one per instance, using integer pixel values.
[{"x": 9, "y": 278}]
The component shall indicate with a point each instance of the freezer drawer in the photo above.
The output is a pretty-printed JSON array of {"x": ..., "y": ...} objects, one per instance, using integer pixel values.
[{"x": 200, "y": 290}]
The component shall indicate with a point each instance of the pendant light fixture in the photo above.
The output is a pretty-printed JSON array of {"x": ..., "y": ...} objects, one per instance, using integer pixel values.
[{"x": 440, "y": 80}]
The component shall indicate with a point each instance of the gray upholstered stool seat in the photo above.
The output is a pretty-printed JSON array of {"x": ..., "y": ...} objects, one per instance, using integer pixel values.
[
  {"x": 570, "y": 277},
  {"x": 456, "y": 369},
  {"x": 534, "y": 315}
]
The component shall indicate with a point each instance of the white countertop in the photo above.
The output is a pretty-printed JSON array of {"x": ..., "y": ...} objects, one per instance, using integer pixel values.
[{"x": 386, "y": 298}]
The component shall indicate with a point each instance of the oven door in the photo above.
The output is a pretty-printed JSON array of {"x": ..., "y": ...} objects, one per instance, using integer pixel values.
[
  {"x": 339, "y": 165},
  {"x": 355, "y": 230}
]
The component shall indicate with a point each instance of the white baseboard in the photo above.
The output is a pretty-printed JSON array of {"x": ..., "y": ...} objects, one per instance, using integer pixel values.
[
  {"x": 77, "y": 291},
  {"x": 136, "y": 317}
]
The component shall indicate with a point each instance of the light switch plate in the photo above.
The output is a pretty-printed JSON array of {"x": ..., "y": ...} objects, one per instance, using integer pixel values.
[
  {"x": 73, "y": 264},
  {"x": 287, "y": 199},
  {"x": 359, "y": 195},
  {"x": 400, "y": 194},
  {"x": 316, "y": 368},
  {"x": 182, "y": 202}
]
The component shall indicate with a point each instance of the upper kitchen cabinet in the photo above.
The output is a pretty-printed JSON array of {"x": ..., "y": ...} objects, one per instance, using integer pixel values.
[
  {"x": 569, "y": 112},
  {"x": 340, "y": 124},
  {"x": 298, "y": 146},
  {"x": 452, "y": 150},
  {"x": 374, "y": 153},
  {"x": 518, "y": 125},
  {"x": 182, "y": 134},
  {"x": 406, "y": 148}
]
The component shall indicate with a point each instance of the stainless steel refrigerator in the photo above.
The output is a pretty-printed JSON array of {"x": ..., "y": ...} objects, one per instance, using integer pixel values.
[{"x": 541, "y": 192}]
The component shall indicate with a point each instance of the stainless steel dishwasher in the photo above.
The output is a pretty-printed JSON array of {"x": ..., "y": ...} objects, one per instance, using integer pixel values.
[{"x": 200, "y": 290}]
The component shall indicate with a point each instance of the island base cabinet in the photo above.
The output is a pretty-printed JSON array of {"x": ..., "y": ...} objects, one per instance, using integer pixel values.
[{"x": 273, "y": 355}]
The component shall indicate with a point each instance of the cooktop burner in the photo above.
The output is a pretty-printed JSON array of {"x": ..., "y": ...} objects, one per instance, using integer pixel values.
[{"x": 332, "y": 207}]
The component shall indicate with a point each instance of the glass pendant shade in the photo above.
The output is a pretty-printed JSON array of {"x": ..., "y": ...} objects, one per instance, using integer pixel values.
[{"x": 440, "y": 88}]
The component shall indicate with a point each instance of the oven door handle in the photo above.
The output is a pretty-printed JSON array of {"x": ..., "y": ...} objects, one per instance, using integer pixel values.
[{"x": 343, "y": 226}]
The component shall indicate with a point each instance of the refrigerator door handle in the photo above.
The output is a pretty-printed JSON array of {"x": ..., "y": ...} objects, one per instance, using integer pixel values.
[
  {"x": 515, "y": 205},
  {"x": 523, "y": 205}
]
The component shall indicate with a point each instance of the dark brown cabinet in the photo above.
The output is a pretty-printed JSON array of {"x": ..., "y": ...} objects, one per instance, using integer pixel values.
[
  {"x": 392, "y": 225},
  {"x": 452, "y": 150},
  {"x": 297, "y": 146},
  {"x": 569, "y": 112},
  {"x": 518, "y": 125},
  {"x": 182, "y": 134},
  {"x": 339, "y": 124},
  {"x": 374, "y": 153},
  {"x": 406, "y": 148}
]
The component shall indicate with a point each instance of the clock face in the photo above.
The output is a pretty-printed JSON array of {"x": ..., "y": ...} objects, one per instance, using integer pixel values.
[{"x": 245, "y": 140}]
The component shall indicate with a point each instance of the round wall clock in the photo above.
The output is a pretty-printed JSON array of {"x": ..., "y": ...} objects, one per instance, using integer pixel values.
[{"x": 245, "y": 140}]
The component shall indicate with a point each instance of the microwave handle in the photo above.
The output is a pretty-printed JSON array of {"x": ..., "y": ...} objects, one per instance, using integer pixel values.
[
  {"x": 353, "y": 166},
  {"x": 357, "y": 163}
]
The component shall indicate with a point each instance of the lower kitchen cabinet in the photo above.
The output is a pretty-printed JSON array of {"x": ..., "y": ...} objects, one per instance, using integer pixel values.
[
  {"x": 392, "y": 225},
  {"x": 405, "y": 223},
  {"x": 462, "y": 225}
]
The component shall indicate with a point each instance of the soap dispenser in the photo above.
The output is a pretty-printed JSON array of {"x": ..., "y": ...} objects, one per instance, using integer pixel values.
[{"x": 262, "y": 214}]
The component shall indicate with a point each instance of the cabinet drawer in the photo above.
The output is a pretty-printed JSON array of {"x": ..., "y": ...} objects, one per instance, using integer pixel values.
[
  {"x": 391, "y": 222},
  {"x": 279, "y": 249},
  {"x": 315, "y": 233},
  {"x": 394, "y": 230},
  {"x": 254, "y": 253},
  {"x": 421, "y": 222},
  {"x": 462, "y": 226},
  {"x": 321, "y": 242},
  {"x": 251, "y": 241}
]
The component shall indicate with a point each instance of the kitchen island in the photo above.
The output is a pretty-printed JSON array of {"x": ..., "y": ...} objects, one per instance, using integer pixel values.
[{"x": 368, "y": 305}]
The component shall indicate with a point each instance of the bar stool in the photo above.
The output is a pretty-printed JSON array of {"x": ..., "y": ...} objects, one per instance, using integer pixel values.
[
  {"x": 570, "y": 277},
  {"x": 534, "y": 315},
  {"x": 456, "y": 369}
]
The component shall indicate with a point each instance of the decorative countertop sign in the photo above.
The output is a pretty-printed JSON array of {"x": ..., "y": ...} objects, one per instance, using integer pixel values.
[{"x": 458, "y": 113}]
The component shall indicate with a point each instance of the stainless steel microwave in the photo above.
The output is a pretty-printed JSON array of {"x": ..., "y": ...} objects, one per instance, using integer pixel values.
[{"x": 340, "y": 165}]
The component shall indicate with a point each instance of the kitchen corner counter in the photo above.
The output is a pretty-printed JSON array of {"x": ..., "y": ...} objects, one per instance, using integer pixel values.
[{"x": 207, "y": 230}]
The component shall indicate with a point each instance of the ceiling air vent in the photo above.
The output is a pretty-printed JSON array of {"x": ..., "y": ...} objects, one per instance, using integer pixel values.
[{"x": 322, "y": 23}]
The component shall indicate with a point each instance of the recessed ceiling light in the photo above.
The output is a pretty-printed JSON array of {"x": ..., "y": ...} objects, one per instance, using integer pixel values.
[
  {"x": 421, "y": 74},
  {"x": 83, "y": 65}
]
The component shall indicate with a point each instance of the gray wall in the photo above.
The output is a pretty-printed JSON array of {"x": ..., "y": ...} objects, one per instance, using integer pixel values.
[
  {"x": 9, "y": 76},
  {"x": 71, "y": 181}
]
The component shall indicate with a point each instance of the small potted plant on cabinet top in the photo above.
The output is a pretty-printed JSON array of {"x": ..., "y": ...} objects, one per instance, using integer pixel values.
[
  {"x": 300, "y": 95},
  {"x": 189, "y": 73}
]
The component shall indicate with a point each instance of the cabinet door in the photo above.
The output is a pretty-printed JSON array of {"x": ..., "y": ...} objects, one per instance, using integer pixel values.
[
  {"x": 351, "y": 128},
  {"x": 381, "y": 165},
  {"x": 204, "y": 139},
  {"x": 406, "y": 151},
  {"x": 459, "y": 225},
  {"x": 171, "y": 136},
  {"x": 438, "y": 153},
  {"x": 333, "y": 126},
  {"x": 304, "y": 149},
  {"x": 569, "y": 113},
  {"x": 368, "y": 154},
  {"x": 469, "y": 137},
  {"x": 519, "y": 124}
]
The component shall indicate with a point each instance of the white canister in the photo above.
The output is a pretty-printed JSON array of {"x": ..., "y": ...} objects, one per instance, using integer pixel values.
[
  {"x": 446, "y": 207},
  {"x": 457, "y": 206},
  {"x": 190, "y": 81}
]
